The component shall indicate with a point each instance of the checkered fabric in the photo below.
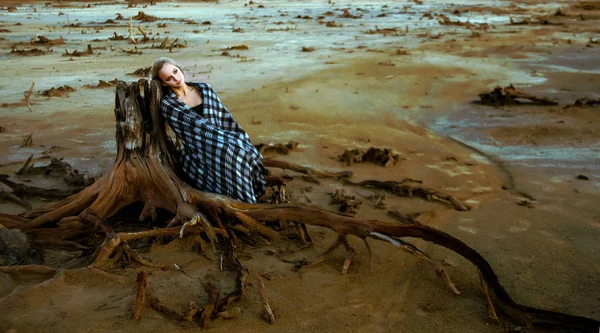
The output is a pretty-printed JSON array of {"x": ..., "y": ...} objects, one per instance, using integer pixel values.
[{"x": 217, "y": 155}]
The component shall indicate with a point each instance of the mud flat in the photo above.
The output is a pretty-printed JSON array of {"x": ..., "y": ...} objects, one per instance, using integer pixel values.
[{"x": 347, "y": 75}]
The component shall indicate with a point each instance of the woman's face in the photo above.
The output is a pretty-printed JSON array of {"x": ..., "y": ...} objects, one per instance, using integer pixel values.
[{"x": 171, "y": 76}]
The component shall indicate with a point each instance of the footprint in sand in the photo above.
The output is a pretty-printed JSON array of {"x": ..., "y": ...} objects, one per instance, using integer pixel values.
[{"x": 519, "y": 226}]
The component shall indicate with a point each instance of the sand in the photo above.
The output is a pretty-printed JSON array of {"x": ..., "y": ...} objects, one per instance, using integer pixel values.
[{"x": 410, "y": 91}]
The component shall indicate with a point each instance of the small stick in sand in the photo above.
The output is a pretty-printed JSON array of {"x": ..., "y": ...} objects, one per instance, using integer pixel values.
[
  {"x": 27, "y": 140},
  {"x": 143, "y": 33},
  {"x": 172, "y": 44},
  {"x": 268, "y": 314},
  {"x": 28, "y": 94},
  {"x": 24, "y": 167},
  {"x": 131, "y": 33},
  {"x": 140, "y": 297}
]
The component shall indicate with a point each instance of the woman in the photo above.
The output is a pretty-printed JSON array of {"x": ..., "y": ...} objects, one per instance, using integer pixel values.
[{"x": 217, "y": 155}]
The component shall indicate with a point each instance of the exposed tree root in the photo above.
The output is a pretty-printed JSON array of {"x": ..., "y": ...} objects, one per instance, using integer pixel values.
[
  {"x": 140, "y": 296},
  {"x": 230, "y": 314},
  {"x": 28, "y": 96},
  {"x": 25, "y": 165},
  {"x": 42, "y": 273},
  {"x": 29, "y": 272},
  {"x": 143, "y": 72},
  {"x": 161, "y": 307},
  {"x": 544, "y": 20},
  {"x": 57, "y": 168},
  {"x": 143, "y": 173},
  {"x": 215, "y": 308},
  {"x": 191, "y": 311},
  {"x": 134, "y": 256},
  {"x": 514, "y": 94},
  {"x": 402, "y": 217},
  {"x": 40, "y": 39},
  {"x": 117, "y": 243},
  {"x": 585, "y": 102},
  {"x": 27, "y": 140},
  {"x": 22, "y": 190},
  {"x": 210, "y": 308},
  {"x": 408, "y": 190},
  {"x": 505, "y": 307},
  {"x": 257, "y": 227},
  {"x": 486, "y": 291},
  {"x": 276, "y": 195},
  {"x": 269, "y": 162},
  {"x": 380, "y": 156},
  {"x": 445, "y": 20},
  {"x": 59, "y": 91},
  {"x": 510, "y": 96},
  {"x": 268, "y": 312},
  {"x": 277, "y": 147},
  {"x": 349, "y": 204},
  {"x": 102, "y": 84},
  {"x": 141, "y": 16},
  {"x": 11, "y": 197},
  {"x": 13, "y": 221}
]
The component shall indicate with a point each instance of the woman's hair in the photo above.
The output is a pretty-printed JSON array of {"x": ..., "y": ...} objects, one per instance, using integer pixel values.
[{"x": 158, "y": 65}]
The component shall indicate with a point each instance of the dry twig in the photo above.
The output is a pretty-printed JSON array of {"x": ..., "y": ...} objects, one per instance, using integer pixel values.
[{"x": 28, "y": 95}]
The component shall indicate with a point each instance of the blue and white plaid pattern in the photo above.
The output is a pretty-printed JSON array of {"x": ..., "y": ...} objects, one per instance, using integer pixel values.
[{"x": 217, "y": 155}]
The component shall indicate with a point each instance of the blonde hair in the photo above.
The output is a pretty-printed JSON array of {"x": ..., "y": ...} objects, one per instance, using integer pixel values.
[{"x": 159, "y": 64}]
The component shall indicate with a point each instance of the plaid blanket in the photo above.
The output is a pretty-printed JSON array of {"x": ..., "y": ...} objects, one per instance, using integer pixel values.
[{"x": 217, "y": 155}]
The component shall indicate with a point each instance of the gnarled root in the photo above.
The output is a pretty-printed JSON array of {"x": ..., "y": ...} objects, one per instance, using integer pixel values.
[
  {"x": 209, "y": 310},
  {"x": 504, "y": 305},
  {"x": 350, "y": 253},
  {"x": 267, "y": 311},
  {"x": 409, "y": 190},
  {"x": 410, "y": 248},
  {"x": 269, "y": 162},
  {"x": 143, "y": 172},
  {"x": 105, "y": 257},
  {"x": 215, "y": 308},
  {"x": 140, "y": 296},
  {"x": 29, "y": 272}
]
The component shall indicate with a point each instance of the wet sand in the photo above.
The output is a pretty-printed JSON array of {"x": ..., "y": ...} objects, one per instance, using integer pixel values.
[{"x": 406, "y": 90}]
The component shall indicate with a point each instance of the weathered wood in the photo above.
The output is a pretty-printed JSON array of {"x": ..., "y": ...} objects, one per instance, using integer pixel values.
[
  {"x": 28, "y": 95},
  {"x": 140, "y": 296},
  {"x": 505, "y": 305},
  {"x": 273, "y": 163},
  {"x": 409, "y": 191},
  {"x": 509, "y": 96},
  {"x": 144, "y": 171}
]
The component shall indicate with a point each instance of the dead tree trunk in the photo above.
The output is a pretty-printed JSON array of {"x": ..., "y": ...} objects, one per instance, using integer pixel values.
[{"x": 144, "y": 172}]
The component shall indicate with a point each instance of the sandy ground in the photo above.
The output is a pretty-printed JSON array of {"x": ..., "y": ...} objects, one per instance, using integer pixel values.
[{"x": 409, "y": 89}]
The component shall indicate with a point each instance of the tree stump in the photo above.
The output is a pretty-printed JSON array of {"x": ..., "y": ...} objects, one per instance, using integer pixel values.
[{"x": 144, "y": 172}]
